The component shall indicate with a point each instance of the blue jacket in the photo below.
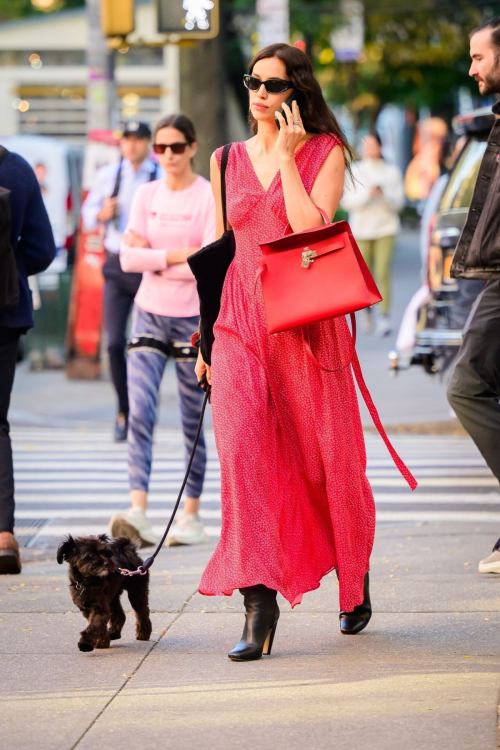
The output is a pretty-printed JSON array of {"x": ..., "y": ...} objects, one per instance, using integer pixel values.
[{"x": 31, "y": 234}]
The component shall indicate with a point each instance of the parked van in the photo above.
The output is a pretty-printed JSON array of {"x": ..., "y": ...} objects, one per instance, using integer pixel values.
[{"x": 58, "y": 167}]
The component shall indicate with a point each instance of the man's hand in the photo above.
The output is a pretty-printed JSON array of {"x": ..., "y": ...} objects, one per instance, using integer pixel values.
[
  {"x": 109, "y": 210},
  {"x": 133, "y": 239}
]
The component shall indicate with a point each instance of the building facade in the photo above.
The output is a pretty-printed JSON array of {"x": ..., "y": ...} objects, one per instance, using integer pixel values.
[{"x": 43, "y": 75}]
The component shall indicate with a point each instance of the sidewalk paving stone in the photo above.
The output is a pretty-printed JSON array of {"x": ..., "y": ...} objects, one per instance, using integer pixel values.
[
  {"x": 425, "y": 673},
  {"x": 406, "y": 683}
]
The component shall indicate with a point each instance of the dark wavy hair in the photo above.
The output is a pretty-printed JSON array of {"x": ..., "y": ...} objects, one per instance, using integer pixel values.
[{"x": 317, "y": 116}]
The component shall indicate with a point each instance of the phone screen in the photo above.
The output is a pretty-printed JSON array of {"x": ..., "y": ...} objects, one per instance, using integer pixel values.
[{"x": 293, "y": 98}]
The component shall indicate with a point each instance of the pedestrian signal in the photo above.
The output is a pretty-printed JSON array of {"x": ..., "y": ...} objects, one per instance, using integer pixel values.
[{"x": 191, "y": 19}]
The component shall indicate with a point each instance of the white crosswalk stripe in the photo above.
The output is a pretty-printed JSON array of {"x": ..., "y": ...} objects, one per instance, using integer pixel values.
[{"x": 73, "y": 481}]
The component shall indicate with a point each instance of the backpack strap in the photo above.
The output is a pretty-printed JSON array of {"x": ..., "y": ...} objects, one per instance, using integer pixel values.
[{"x": 118, "y": 180}]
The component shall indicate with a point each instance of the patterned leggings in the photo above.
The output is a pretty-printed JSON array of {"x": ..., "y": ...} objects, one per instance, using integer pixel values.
[{"x": 153, "y": 339}]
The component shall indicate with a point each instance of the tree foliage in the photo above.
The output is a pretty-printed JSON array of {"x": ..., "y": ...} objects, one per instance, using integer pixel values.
[
  {"x": 13, "y": 9},
  {"x": 415, "y": 54}
]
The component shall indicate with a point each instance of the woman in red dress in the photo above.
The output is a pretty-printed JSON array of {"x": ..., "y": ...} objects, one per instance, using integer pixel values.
[{"x": 296, "y": 502}]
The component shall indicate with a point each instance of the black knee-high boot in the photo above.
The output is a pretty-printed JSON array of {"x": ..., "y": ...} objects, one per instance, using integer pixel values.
[
  {"x": 354, "y": 622},
  {"x": 261, "y": 619}
]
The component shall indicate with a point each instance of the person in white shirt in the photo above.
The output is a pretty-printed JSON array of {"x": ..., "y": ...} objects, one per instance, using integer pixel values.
[
  {"x": 108, "y": 203},
  {"x": 374, "y": 202}
]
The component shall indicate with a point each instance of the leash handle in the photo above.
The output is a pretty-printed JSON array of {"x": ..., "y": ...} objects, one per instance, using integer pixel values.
[{"x": 143, "y": 569}]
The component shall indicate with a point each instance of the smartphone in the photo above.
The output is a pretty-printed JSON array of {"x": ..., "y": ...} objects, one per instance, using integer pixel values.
[{"x": 293, "y": 98}]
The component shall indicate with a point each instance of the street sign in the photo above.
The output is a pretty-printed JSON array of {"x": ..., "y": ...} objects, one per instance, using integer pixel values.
[
  {"x": 190, "y": 19},
  {"x": 348, "y": 39},
  {"x": 273, "y": 22}
]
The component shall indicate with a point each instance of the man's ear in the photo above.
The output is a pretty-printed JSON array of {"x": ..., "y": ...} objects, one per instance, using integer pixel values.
[{"x": 65, "y": 549}]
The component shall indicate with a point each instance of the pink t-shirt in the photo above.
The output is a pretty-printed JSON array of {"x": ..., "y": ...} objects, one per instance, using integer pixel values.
[{"x": 169, "y": 220}]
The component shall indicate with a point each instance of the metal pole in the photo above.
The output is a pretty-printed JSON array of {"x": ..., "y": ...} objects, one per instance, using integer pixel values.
[{"x": 100, "y": 76}]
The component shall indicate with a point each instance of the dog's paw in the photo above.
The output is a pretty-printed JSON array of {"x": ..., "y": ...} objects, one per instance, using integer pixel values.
[
  {"x": 102, "y": 643},
  {"x": 143, "y": 634},
  {"x": 114, "y": 635},
  {"x": 84, "y": 646}
]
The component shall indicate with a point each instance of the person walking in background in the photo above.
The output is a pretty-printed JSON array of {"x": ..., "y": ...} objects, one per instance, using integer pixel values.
[
  {"x": 30, "y": 236},
  {"x": 169, "y": 220},
  {"x": 474, "y": 388},
  {"x": 374, "y": 201},
  {"x": 108, "y": 203}
]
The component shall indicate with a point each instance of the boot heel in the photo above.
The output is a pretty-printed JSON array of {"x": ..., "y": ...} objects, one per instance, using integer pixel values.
[{"x": 268, "y": 645}]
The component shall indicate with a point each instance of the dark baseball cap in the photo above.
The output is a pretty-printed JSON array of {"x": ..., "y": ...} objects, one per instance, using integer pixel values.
[{"x": 139, "y": 129}]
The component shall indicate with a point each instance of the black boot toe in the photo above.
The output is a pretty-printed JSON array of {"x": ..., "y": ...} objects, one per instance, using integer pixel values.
[{"x": 352, "y": 623}]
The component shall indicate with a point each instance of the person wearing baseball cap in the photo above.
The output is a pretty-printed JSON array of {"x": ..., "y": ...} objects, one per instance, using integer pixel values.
[
  {"x": 137, "y": 130},
  {"x": 108, "y": 203}
]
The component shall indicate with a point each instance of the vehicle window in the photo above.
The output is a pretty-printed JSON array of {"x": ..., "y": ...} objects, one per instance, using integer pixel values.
[{"x": 458, "y": 194}]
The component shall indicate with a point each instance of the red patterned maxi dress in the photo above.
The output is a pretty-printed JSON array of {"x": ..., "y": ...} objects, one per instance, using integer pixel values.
[{"x": 296, "y": 502}]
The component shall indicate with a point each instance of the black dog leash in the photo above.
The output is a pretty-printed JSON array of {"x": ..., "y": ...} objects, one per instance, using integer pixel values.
[{"x": 143, "y": 569}]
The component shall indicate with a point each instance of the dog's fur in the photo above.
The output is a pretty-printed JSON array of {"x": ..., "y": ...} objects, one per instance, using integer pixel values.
[{"x": 95, "y": 585}]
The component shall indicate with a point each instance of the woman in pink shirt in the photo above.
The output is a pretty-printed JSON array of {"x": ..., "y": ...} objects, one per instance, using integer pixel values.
[{"x": 169, "y": 220}]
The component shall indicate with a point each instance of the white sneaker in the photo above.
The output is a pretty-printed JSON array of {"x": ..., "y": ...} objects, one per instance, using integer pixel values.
[
  {"x": 134, "y": 525},
  {"x": 189, "y": 529},
  {"x": 491, "y": 564},
  {"x": 383, "y": 327}
]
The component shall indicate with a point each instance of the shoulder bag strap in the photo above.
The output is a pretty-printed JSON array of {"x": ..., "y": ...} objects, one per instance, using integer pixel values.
[
  {"x": 118, "y": 180},
  {"x": 223, "y": 165}
]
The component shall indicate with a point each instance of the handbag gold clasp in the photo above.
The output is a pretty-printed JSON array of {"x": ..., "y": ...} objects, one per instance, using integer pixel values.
[{"x": 307, "y": 257}]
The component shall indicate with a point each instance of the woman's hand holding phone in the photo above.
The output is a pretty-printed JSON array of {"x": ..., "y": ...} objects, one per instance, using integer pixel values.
[{"x": 291, "y": 132}]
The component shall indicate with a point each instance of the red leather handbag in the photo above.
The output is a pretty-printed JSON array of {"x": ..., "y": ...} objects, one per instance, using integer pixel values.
[{"x": 315, "y": 275}]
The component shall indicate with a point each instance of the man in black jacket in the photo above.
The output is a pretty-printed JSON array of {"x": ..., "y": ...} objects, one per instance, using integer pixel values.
[
  {"x": 474, "y": 389},
  {"x": 33, "y": 242}
]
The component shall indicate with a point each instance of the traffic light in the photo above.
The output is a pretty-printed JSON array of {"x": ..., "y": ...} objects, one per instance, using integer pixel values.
[
  {"x": 191, "y": 19},
  {"x": 117, "y": 17}
]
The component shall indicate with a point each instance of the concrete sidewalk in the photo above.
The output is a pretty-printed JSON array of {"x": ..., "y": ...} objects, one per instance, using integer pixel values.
[{"x": 425, "y": 673}]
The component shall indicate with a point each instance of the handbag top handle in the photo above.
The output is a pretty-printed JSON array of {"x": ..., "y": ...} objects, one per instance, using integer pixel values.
[{"x": 223, "y": 165}]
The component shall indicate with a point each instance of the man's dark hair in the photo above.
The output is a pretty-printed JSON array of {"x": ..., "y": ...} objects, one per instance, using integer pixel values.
[{"x": 494, "y": 25}]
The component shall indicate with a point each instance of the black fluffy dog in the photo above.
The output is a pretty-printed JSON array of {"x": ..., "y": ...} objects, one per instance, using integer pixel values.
[{"x": 95, "y": 585}]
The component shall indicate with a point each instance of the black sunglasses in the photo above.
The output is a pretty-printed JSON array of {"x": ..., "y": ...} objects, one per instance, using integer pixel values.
[
  {"x": 273, "y": 85},
  {"x": 177, "y": 148}
]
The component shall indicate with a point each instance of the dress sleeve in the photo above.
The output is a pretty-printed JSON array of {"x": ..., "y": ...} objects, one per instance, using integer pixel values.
[
  {"x": 314, "y": 153},
  {"x": 218, "y": 155}
]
